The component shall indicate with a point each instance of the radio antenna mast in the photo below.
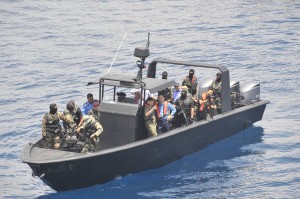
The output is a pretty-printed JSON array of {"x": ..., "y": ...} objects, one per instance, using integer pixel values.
[{"x": 116, "y": 53}]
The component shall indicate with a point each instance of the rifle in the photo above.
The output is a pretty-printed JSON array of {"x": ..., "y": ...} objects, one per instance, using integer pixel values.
[
  {"x": 70, "y": 132},
  {"x": 183, "y": 112},
  {"x": 209, "y": 106}
]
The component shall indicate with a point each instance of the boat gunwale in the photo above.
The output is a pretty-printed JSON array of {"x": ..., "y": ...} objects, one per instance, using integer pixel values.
[{"x": 139, "y": 142}]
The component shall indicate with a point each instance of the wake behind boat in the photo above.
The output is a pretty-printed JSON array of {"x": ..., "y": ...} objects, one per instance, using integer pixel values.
[{"x": 124, "y": 147}]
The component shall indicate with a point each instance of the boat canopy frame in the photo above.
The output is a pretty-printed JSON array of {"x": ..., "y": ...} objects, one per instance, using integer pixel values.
[
  {"x": 116, "y": 80},
  {"x": 225, "y": 81}
]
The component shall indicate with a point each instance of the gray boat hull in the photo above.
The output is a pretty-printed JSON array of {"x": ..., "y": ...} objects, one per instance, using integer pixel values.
[{"x": 82, "y": 170}]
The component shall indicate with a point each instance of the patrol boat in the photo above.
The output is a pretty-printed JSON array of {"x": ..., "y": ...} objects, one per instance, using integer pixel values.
[{"x": 124, "y": 148}]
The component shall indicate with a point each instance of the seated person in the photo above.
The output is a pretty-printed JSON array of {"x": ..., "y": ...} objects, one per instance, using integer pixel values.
[
  {"x": 137, "y": 95},
  {"x": 207, "y": 104},
  {"x": 185, "y": 106},
  {"x": 121, "y": 97}
]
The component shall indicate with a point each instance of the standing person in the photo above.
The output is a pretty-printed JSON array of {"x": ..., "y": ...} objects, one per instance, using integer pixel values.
[
  {"x": 176, "y": 93},
  {"x": 137, "y": 95},
  {"x": 216, "y": 87},
  {"x": 207, "y": 103},
  {"x": 191, "y": 82},
  {"x": 121, "y": 97},
  {"x": 168, "y": 94},
  {"x": 51, "y": 129},
  {"x": 88, "y": 105},
  {"x": 149, "y": 116},
  {"x": 95, "y": 112},
  {"x": 74, "y": 112},
  {"x": 164, "y": 113},
  {"x": 186, "y": 105},
  {"x": 89, "y": 133}
]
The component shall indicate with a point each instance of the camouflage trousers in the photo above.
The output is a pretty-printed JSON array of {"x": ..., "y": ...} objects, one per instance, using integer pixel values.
[
  {"x": 90, "y": 146},
  {"x": 151, "y": 127},
  {"x": 52, "y": 141}
]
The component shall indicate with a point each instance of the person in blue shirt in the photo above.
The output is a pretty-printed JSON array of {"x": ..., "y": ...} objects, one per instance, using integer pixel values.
[
  {"x": 165, "y": 112},
  {"x": 88, "y": 105},
  {"x": 176, "y": 93}
]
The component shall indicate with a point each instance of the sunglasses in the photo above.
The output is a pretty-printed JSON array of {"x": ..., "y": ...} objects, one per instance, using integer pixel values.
[{"x": 91, "y": 99}]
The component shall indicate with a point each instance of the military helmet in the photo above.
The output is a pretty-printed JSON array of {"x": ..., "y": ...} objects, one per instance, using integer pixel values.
[{"x": 88, "y": 120}]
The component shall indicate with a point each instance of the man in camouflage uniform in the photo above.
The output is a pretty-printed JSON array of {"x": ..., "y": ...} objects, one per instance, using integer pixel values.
[
  {"x": 51, "y": 129},
  {"x": 74, "y": 112},
  {"x": 167, "y": 93},
  {"x": 89, "y": 133},
  {"x": 186, "y": 109},
  {"x": 216, "y": 87},
  {"x": 150, "y": 119},
  {"x": 191, "y": 82}
]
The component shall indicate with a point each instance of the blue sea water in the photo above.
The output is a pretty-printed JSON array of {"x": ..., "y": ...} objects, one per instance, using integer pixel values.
[{"x": 49, "y": 50}]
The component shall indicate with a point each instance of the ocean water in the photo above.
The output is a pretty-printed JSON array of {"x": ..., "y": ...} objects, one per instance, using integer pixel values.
[{"x": 49, "y": 50}]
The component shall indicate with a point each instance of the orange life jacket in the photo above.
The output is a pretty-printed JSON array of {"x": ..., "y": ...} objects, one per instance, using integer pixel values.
[
  {"x": 202, "y": 105},
  {"x": 165, "y": 109}
]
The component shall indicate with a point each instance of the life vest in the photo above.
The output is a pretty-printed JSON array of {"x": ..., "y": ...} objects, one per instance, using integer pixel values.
[
  {"x": 52, "y": 123},
  {"x": 165, "y": 109},
  {"x": 203, "y": 105},
  {"x": 191, "y": 84},
  {"x": 75, "y": 114},
  {"x": 217, "y": 87},
  {"x": 187, "y": 80}
]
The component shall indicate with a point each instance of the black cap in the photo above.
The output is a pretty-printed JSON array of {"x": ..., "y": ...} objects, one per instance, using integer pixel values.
[
  {"x": 192, "y": 71},
  {"x": 165, "y": 73},
  {"x": 121, "y": 94}
]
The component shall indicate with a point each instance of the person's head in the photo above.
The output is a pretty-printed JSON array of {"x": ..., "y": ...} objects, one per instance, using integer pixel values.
[
  {"x": 70, "y": 106},
  {"x": 161, "y": 98},
  {"x": 165, "y": 75},
  {"x": 90, "y": 98},
  {"x": 183, "y": 94},
  {"x": 137, "y": 94},
  {"x": 191, "y": 73},
  {"x": 218, "y": 76},
  {"x": 53, "y": 108},
  {"x": 210, "y": 92},
  {"x": 88, "y": 121},
  {"x": 96, "y": 105},
  {"x": 177, "y": 87},
  {"x": 150, "y": 100},
  {"x": 184, "y": 88},
  {"x": 121, "y": 96}
]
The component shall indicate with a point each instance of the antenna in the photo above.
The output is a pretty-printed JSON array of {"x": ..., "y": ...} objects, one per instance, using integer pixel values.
[
  {"x": 116, "y": 53},
  {"x": 148, "y": 42}
]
